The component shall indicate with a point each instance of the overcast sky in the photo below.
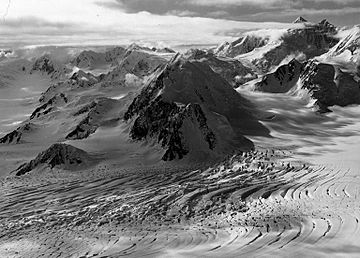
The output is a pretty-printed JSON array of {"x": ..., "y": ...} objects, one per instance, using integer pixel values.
[{"x": 164, "y": 22}]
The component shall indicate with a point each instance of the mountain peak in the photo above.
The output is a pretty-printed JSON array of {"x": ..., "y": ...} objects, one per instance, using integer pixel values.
[
  {"x": 59, "y": 154},
  {"x": 326, "y": 23},
  {"x": 300, "y": 20}
]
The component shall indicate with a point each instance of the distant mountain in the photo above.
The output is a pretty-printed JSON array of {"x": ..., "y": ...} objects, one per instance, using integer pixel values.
[
  {"x": 243, "y": 45},
  {"x": 164, "y": 50},
  {"x": 84, "y": 79},
  {"x": 91, "y": 60},
  {"x": 5, "y": 53},
  {"x": 233, "y": 71},
  {"x": 267, "y": 49},
  {"x": 300, "y": 20},
  {"x": 46, "y": 65},
  {"x": 190, "y": 110},
  {"x": 137, "y": 61}
]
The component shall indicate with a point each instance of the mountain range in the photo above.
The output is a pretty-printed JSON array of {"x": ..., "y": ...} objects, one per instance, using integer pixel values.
[{"x": 178, "y": 106}]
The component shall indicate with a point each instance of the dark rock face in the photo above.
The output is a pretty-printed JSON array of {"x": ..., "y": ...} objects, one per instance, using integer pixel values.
[
  {"x": 327, "y": 26},
  {"x": 329, "y": 85},
  {"x": 63, "y": 155},
  {"x": 112, "y": 55},
  {"x": 15, "y": 136},
  {"x": 83, "y": 80},
  {"x": 12, "y": 137},
  {"x": 46, "y": 65},
  {"x": 158, "y": 119},
  {"x": 49, "y": 105},
  {"x": 162, "y": 120},
  {"x": 144, "y": 98},
  {"x": 207, "y": 133},
  {"x": 86, "y": 109},
  {"x": 83, "y": 129},
  {"x": 164, "y": 50},
  {"x": 282, "y": 80},
  {"x": 300, "y": 20},
  {"x": 87, "y": 58},
  {"x": 233, "y": 71},
  {"x": 95, "y": 114}
]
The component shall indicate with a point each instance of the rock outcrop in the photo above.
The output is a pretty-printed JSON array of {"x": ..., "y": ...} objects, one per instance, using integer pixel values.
[
  {"x": 47, "y": 65},
  {"x": 329, "y": 85},
  {"x": 282, "y": 80},
  {"x": 59, "y": 155},
  {"x": 83, "y": 79},
  {"x": 300, "y": 20},
  {"x": 94, "y": 115},
  {"x": 17, "y": 135},
  {"x": 57, "y": 100}
]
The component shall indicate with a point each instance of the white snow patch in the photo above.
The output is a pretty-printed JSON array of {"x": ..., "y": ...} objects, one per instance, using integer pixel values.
[
  {"x": 132, "y": 79},
  {"x": 119, "y": 97}
]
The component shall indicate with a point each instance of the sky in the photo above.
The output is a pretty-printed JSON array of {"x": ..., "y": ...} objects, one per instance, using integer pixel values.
[{"x": 157, "y": 22}]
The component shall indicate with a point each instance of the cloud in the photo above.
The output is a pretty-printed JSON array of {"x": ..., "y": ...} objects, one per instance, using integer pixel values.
[
  {"x": 41, "y": 22},
  {"x": 241, "y": 10},
  {"x": 260, "y": 3},
  {"x": 266, "y": 3},
  {"x": 181, "y": 13},
  {"x": 180, "y": 22},
  {"x": 308, "y": 12},
  {"x": 218, "y": 14},
  {"x": 31, "y": 22}
]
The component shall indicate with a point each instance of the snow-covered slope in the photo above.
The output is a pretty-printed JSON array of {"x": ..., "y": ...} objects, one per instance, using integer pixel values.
[
  {"x": 137, "y": 62},
  {"x": 243, "y": 45},
  {"x": 267, "y": 49},
  {"x": 89, "y": 59},
  {"x": 232, "y": 70},
  {"x": 347, "y": 50}
]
